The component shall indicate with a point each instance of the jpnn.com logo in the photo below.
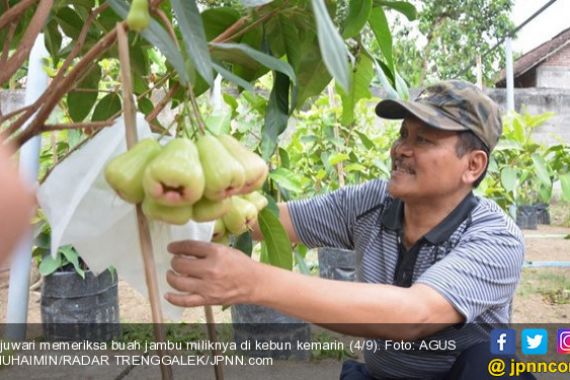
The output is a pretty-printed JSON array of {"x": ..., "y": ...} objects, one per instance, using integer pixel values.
[
  {"x": 503, "y": 342},
  {"x": 534, "y": 341}
]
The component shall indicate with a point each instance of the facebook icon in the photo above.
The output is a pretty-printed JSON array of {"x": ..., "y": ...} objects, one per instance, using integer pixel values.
[{"x": 503, "y": 342}]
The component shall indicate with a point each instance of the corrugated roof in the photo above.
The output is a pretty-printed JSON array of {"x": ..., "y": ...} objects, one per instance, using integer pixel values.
[{"x": 538, "y": 55}]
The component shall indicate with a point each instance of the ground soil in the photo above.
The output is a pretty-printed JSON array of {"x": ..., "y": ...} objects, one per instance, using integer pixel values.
[{"x": 545, "y": 244}]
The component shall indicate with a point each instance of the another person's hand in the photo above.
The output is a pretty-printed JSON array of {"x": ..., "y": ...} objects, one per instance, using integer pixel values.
[
  {"x": 16, "y": 203},
  {"x": 209, "y": 274}
]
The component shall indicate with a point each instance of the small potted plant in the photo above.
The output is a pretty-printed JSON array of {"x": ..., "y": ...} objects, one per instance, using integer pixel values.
[
  {"x": 73, "y": 298},
  {"x": 259, "y": 323}
]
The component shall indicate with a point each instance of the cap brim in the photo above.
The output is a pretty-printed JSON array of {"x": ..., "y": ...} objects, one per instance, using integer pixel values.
[{"x": 400, "y": 109}]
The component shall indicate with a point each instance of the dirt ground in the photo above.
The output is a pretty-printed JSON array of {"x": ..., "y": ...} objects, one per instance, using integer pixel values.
[{"x": 545, "y": 244}]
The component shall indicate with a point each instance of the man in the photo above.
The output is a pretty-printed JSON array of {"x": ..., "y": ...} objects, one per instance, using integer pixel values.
[
  {"x": 434, "y": 256},
  {"x": 16, "y": 204}
]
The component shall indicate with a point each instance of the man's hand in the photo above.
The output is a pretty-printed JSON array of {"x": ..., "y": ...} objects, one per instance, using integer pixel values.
[{"x": 209, "y": 274}]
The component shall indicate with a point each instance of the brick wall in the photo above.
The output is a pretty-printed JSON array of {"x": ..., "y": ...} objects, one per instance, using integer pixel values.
[{"x": 560, "y": 58}]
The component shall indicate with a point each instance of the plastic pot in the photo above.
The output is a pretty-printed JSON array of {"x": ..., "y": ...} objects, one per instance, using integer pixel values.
[
  {"x": 542, "y": 213},
  {"x": 264, "y": 332},
  {"x": 74, "y": 308},
  {"x": 337, "y": 264},
  {"x": 527, "y": 217}
]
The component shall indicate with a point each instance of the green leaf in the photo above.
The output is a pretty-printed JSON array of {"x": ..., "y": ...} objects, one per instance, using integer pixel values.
[
  {"x": 541, "y": 170},
  {"x": 71, "y": 255},
  {"x": 43, "y": 240},
  {"x": 368, "y": 144},
  {"x": 263, "y": 257},
  {"x": 332, "y": 46},
  {"x": 337, "y": 158},
  {"x": 74, "y": 137},
  {"x": 312, "y": 77},
  {"x": 276, "y": 115},
  {"x": 69, "y": 21},
  {"x": 361, "y": 79},
  {"x": 217, "y": 20},
  {"x": 284, "y": 158},
  {"x": 237, "y": 50},
  {"x": 79, "y": 103},
  {"x": 379, "y": 24},
  {"x": 405, "y": 8},
  {"x": 145, "y": 105},
  {"x": 286, "y": 179},
  {"x": 505, "y": 144},
  {"x": 358, "y": 12},
  {"x": 158, "y": 37},
  {"x": 244, "y": 243},
  {"x": 254, "y": 3},
  {"x": 219, "y": 122},
  {"x": 565, "y": 184},
  {"x": 193, "y": 34},
  {"x": 283, "y": 37},
  {"x": 108, "y": 106},
  {"x": 402, "y": 87},
  {"x": 279, "y": 251},
  {"x": 52, "y": 39},
  {"x": 391, "y": 93},
  {"x": 229, "y": 76},
  {"x": 49, "y": 264},
  {"x": 354, "y": 167},
  {"x": 303, "y": 268},
  {"x": 509, "y": 179}
]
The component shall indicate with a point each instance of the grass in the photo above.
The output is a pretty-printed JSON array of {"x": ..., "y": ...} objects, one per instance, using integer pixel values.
[{"x": 553, "y": 284}]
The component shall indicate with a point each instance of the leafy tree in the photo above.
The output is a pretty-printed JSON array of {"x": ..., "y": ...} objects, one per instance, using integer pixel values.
[{"x": 448, "y": 36}]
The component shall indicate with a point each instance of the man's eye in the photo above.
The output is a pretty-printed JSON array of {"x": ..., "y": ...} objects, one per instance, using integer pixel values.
[{"x": 422, "y": 140}]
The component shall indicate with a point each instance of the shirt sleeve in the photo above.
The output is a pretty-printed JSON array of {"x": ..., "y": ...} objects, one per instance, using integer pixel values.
[
  {"x": 328, "y": 220},
  {"x": 480, "y": 273}
]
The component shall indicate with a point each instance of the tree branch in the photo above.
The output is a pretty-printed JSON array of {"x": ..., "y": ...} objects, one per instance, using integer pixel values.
[
  {"x": 61, "y": 127},
  {"x": 15, "y": 11},
  {"x": 7, "y": 42},
  {"x": 66, "y": 84},
  {"x": 61, "y": 72},
  {"x": 23, "y": 51},
  {"x": 163, "y": 102}
]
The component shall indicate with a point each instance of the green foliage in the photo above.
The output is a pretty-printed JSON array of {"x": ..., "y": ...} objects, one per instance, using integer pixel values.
[
  {"x": 448, "y": 37},
  {"x": 65, "y": 256},
  {"x": 522, "y": 171},
  {"x": 310, "y": 161}
]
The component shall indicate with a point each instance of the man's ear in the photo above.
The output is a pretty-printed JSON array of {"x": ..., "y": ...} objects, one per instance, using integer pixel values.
[{"x": 477, "y": 162}]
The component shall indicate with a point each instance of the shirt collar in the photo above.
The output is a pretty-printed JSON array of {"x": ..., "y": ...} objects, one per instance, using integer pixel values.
[{"x": 393, "y": 217}]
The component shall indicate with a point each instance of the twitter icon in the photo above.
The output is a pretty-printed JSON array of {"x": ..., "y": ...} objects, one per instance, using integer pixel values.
[{"x": 534, "y": 341}]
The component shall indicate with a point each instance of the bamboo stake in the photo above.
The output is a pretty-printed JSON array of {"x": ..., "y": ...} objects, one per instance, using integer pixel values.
[
  {"x": 211, "y": 323},
  {"x": 144, "y": 232}
]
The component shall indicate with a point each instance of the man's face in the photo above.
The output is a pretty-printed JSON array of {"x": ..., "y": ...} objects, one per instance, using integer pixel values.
[{"x": 425, "y": 163}]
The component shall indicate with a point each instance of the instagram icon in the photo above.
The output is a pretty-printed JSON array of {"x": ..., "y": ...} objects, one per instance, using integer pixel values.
[{"x": 563, "y": 346}]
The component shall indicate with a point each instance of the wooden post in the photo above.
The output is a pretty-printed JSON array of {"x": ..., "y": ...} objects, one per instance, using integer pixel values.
[
  {"x": 144, "y": 232},
  {"x": 479, "y": 72}
]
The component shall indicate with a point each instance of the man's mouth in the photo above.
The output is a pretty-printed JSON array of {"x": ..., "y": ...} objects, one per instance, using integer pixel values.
[{"x": 400, "y": 167}]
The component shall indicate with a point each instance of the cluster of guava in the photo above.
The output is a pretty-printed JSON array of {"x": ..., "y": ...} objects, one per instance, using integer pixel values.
[{"x": 214, "y": 178}]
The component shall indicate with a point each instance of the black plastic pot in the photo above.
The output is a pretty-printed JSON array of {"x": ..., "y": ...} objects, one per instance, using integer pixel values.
[
  {"x": 542, "y": 213},
  {"x": 337, "y": 264},
  {"x": 74, "y": 308},
  {"x": 527, "y": 217},
  {"x": 264, "y": 332}
]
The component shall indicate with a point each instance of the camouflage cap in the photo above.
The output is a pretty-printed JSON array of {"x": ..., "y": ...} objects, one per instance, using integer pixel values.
[{"x": 452, "y": 105}]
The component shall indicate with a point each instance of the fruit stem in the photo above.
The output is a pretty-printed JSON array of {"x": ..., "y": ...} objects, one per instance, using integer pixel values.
[{"x": 196, "y": 109}]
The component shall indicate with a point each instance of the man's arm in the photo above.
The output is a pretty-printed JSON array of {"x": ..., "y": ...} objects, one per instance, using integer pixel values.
[
  {"x": 214, "y": 274},
  {"x": 285, "y": 219}
]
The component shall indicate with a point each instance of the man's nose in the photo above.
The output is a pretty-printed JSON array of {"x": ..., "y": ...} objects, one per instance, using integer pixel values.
[{"x": 402, "y": 147}]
